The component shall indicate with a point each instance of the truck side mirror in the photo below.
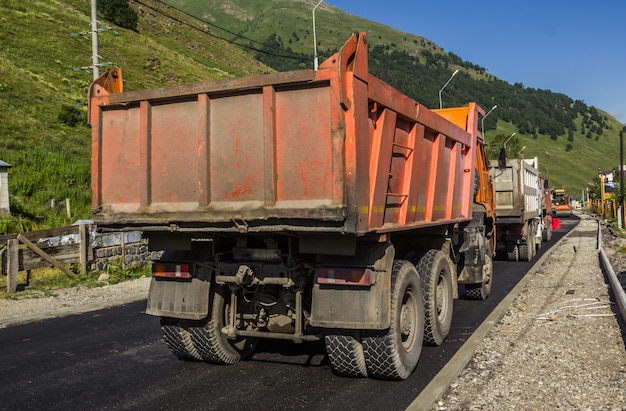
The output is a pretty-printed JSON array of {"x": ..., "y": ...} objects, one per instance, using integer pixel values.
[{"x": 502, "y": 159}]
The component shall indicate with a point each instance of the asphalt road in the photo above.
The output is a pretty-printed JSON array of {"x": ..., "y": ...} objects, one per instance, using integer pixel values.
[{"x": 115, "y": 359}]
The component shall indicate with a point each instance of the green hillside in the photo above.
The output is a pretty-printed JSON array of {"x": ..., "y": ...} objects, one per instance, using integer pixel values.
[
  {"x": 571, "y": 139},
  {"x": 43, "y": 88},
  {"x": 42, "y": 121}
]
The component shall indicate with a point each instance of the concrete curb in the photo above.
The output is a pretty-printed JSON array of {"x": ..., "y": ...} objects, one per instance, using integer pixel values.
[
  {"x": 616, "y": 286},
  {"x": 425, "y": 401}
]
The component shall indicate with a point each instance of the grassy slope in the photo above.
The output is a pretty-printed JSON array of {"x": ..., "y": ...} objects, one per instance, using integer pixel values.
[
  {"x": 51, "y": 160},
  {"x": 569, "y": 170},
  {"x": 257, "y": 20}
]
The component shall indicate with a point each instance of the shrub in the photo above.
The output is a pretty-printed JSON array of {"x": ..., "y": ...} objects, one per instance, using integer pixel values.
[
  {"x": 119, "y": 12},
  {"x": 70, "y": 116}
]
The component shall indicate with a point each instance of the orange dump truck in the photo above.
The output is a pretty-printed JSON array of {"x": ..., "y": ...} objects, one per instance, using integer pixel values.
[{"x": 303, "y": 206}]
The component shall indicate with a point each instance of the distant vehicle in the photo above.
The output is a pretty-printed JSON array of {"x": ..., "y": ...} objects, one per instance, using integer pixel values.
[
  {"x": 561, "y": 206},
  {"x": 518, "y": 194}
]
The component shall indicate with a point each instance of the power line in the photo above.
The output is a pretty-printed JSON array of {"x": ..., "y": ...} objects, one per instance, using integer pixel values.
[
  {"x": 209, "y": 23},
  {"x": 292, "y": 56}
]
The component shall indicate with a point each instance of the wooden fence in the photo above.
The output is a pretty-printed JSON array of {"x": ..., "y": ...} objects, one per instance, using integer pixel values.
[
  {"x": 607, "y": 208},
  {"x": 16, "y": 258},
  {"x": 76, "y": 244}
]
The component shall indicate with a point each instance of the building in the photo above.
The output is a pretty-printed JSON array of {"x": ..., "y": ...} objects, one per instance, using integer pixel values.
[{"x": 4, "y": 188}]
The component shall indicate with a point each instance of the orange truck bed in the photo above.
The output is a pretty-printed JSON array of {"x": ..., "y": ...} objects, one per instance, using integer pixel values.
[{"x": 332, "y": 150}]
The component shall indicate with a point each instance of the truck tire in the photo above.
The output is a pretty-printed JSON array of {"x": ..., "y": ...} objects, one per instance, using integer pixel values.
[
  {"x": 481, "y": 291},
  {"x": 346, "y": 356},
  {"x": 524, "y": 252},
  {"x": 527, "y": 250},
  {"x": 436, "y": 280},
  {"x": 513, "y": 254},
  {"x": 178, "y": 339},
  {"x": 393, "y": 354},
  {"x": 546, "y": 235},
  {"x": 211, "y": 343}
]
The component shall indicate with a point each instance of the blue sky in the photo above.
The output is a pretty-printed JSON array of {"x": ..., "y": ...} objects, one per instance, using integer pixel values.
[{"x": 573, "y": 47}]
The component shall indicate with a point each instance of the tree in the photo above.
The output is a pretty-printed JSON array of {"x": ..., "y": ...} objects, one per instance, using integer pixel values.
[
  {"x": 594, "y": 188},
  {"x": 118, "y": 12},
  {"x": 513, "y": 147}
]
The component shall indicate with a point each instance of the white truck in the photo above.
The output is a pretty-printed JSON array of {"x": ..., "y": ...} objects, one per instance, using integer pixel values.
[{"x": 518, "y": 198}]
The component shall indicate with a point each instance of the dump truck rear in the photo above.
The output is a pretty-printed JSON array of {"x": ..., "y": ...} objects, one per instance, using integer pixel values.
[
  {"x": 518, "y": 198},
  {"x": 303, "y": 206}
]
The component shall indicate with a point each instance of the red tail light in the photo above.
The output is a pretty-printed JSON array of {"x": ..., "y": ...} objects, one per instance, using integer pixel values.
[
  {"x": 171, "y": 270},
  {"x": 344, "y": 276}
]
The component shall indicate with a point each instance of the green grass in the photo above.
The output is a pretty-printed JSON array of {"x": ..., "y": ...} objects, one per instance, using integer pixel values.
[
  {"x": 293, "y": 20},
  {"x": 51, "y": 159}
]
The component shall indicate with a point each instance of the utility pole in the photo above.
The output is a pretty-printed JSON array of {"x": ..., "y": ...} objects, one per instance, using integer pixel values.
[
  {"x": 94, "y": 40},
  {"x": 621, "y": 176}
]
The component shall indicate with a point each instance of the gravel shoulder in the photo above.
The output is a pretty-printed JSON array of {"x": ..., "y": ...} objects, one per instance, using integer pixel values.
[
  {"x": 561, "y": 343},
  {"x": 67, "y": 301}
]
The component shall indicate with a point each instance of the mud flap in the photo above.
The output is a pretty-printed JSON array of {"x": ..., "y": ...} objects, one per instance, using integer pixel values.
[
  {"x": 179, "y": 299},
  {"x": 474, "y": 252},
  {"x": 357, "y": 307}
]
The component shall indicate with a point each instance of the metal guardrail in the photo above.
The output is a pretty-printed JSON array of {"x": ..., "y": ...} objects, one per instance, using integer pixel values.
[{"x": 616, "y": 286}]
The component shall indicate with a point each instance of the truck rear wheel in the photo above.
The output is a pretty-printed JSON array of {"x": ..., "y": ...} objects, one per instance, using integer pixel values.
[
  {"x": 393, "y": 354},
  {"x": 527, "y": 251},
  {"x": 436, "y": 278},
  {"x": 178, "y": 339},
  {"x": 211, "y": 343},
  {"x": 513, "y": 254},
  {"x": 481, "y": 291},
  {"x": 524, "y": 252},
  {"x": 345, "y": 353}
]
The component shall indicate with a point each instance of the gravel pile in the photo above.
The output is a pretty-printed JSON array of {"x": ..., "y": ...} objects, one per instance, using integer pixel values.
[{"x": 561, "y": 343}]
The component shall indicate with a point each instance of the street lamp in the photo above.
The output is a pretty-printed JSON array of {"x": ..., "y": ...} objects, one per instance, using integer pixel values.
[
  {"x": 508, "y": 140},
  {"x": 482, "y": 120},
  {"x": 444, "y": 86},
  {"x": 315, "y": 62}
]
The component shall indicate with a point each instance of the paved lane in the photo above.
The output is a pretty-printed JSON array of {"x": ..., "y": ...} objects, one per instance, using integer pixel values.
[{"x": 115, "y": 359}]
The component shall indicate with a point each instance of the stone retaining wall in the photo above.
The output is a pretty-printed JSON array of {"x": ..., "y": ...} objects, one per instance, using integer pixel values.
[{"x": 133, "y": 255}]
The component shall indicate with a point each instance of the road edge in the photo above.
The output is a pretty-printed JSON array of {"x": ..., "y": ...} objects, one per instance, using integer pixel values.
[{"x": 425, "y": 401}]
